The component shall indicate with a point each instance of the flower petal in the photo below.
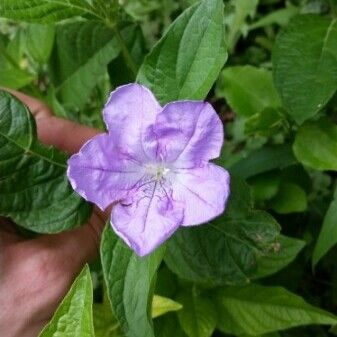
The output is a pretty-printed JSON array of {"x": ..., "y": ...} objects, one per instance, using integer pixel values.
[
  {"x": 102, "y": 173},
  {"x": 129, "y": 112},
  {"x": 189, "y": 133},
  {"x": 149, "y": 219},
  {"x": 204, "y": 191}
]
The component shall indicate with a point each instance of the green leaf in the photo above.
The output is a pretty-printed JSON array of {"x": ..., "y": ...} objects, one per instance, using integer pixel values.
[
  {"x": 44, "y": 11},
  {"x": 14, "y": 78},
  {"x": 198, "y": 317},
  {"x": 168, "y": 326},
  {"x": 186, "y": 61},
  {"x": 265, "y": 123},
  {"x": 119, "y": 72},
  {"x": 83, "y": 51},
  {"x": 262, "y": 160},
  {"x": 40, "y": 41},
  {"x": 11, "y": 74},
  {"x": 256, "y": 310},
  {"x": 265, "y": 186},
  {"x": 16, "y": 47},
  {"x": 322, "y": 154},
  {"x": 236, "y": 22},
  {"x": 167, "y": 283},
  {"x": 105, "y": 323},
  {"x": 284, "y": 252},
  {"x": 130, "y": 280},
  {"x": 34, "y": 189},
  {"x": 248, "y": 90},
  {"x": 272, "y": 334},
  {"x": 280, "y": 17},
  {"x": 289, "y": 199},
  {"x": 73, "y": 318},
  {"x": 328, "y": 236},
  {"x": 140, "y": 10},
  {"x": 162, "y": 305},
  {"x": 108, "y": 11},
  {"x": 307, "y": 83},
  {"x": 224, "y": 251}
]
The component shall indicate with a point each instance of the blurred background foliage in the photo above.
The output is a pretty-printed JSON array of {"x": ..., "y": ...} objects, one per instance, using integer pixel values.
[{"x": 73, "y": 65}]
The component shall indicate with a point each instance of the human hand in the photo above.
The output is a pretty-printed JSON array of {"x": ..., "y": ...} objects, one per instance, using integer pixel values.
[{"x": 36, "y": 274}]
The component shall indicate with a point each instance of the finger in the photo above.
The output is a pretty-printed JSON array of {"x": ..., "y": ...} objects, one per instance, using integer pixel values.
[
  {"x": 59, "y": 132},
  {"x": 8, "y": 234},
  {"x": 79, "y": 245},
  {"x": 38, "y": 108},
  {"x": 64, "y": 134},
  {"x": 69, "y": 137}
]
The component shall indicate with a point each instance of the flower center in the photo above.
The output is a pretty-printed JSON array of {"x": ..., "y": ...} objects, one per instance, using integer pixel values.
[{"x": 157, "y": 170}]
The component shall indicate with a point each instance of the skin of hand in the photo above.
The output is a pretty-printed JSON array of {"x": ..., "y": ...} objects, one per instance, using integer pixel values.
[{"x": 36, "y": 274}]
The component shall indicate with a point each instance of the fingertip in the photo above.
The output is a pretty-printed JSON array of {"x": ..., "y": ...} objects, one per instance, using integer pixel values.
[{"x": 38, "y": 108}]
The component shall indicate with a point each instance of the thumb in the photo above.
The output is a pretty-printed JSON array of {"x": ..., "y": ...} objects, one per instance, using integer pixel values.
[{"x": 79, "y": 245}]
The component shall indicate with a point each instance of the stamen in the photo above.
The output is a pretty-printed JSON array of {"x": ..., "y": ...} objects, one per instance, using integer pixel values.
[{"x": 158, "y": 171}]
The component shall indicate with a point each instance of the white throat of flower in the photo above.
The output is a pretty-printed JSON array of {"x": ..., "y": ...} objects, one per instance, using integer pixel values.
[{"x": 157, "y": 170}]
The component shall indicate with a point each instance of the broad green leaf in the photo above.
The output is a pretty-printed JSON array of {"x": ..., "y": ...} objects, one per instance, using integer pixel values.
[
  {"x": 34, "y": 190},
  {"x": 162, "y": 305},
  {"x": 316, "y": 143},
  {"x": 198, "y": 317},
  {"x": 105, "y": 323},
  {"x": 284, "y": 252},
  {"x": 54, "y": 103},
  {"x": 83, "y": 51},
  {"x": 40, "y": 41},
  {"x": 168, "y": 326},
  {"x": 11, "y": 74},
  {"x": 167, "y": 282},
  {"x": 305, "y": 69},
  {"x": 265, "y": 186},
  {"x": 265, "y": 123},
  {"x": 263, "y": 160},
  {"x": 4, "y": 40},
  {"x": 289, "y": 199},
  {"x": 140, "y": 9},
  {"x": 16, "y": 47},
  {"x": 268, "y": 185},
  {"x": 44, "y": 11},
  {"x": 248, "y": 90},
  {"x": 272, "y": 334},
  {"x": 328, "y": 236},
  {"x": 280, "y": 17},
  {"x": 296, "y": 174},
  {"x": 256, "y": 310},
  {"x": 236, "y": 21},
  {"x": 14, "y": 78},
  {"x": 119, "y": 72},
  {"x": 224, "y": 251},
  {"x": 73, "y": 318},
  {"x": 108, "y": 11},
  {"x": 186, "y": 61},
  {"x": 130, "y": 281}
]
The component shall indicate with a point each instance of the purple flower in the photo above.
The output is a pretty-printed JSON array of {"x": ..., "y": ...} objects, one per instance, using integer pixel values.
[{"x": 154, "y": 165}]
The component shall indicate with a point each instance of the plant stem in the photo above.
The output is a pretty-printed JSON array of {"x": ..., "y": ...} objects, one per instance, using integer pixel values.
[{"x": 127, "y": 56}]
